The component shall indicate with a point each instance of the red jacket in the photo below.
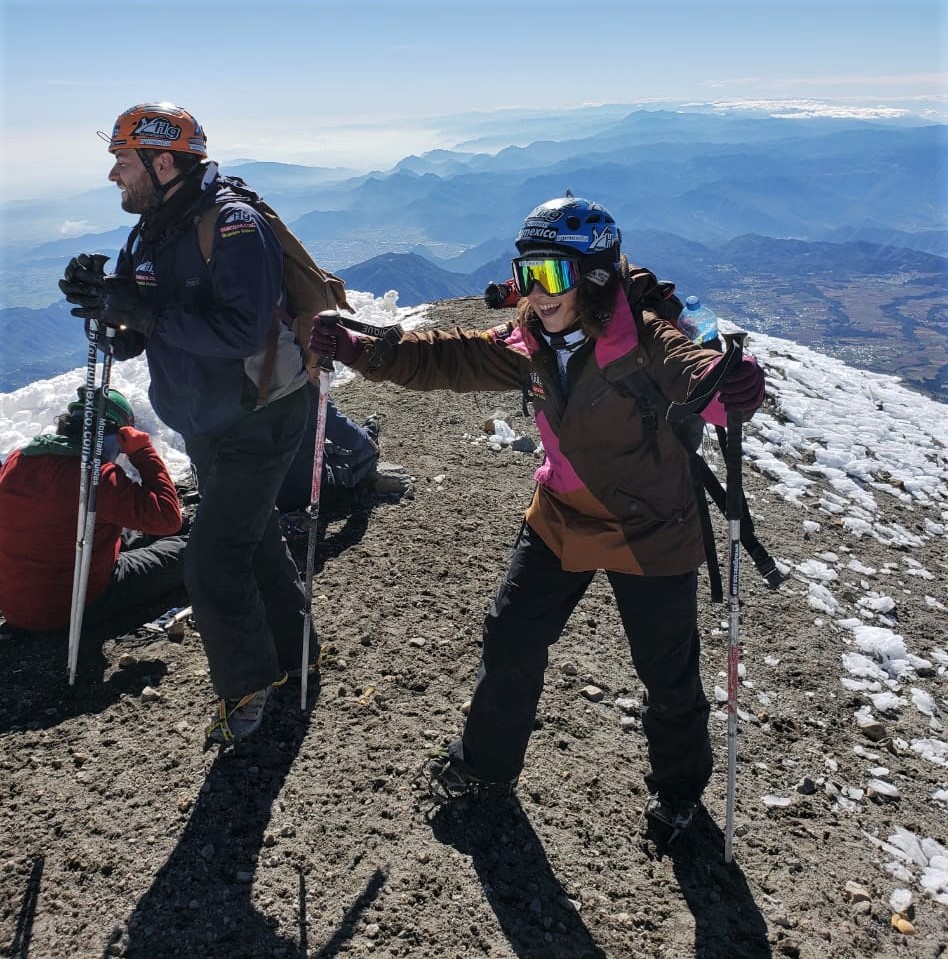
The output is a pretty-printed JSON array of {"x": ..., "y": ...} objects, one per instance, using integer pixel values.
[{"x": 39, "y": 508}]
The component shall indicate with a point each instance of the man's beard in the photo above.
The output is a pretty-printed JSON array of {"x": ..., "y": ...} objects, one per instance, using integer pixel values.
[{"x": 140, "y": 198}]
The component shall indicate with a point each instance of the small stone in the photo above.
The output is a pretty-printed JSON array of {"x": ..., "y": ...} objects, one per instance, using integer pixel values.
[
  {"x": 806, "y": 786},
  {"x": 127, "y": 660},
  {"x": 422, "y": 856},
  {"x": 903, "y": 925},
  {"x": 372, "y": 930},
  {"x": 870, "y": 728},
  {"x": 628, "y": 723},
  {"x": 150, "y": 694},
  {"x": 416, "y": 641},
  {"x": 856, "y": 893},
  {"x": 569, "y": 669},
  {"x": 593, "y": 693}
]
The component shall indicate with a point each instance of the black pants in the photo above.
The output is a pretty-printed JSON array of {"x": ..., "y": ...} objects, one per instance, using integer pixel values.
[
  {"x": 659, "y": 614},
  {"x": 142, "y": 573},
  {"x": 244, "y": 587}
]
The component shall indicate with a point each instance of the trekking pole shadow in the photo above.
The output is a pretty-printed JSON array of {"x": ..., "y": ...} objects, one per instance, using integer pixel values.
[
  {"x": 515, "y": 875},
  {"x": 20, "y": 947},
  {"x": 200, "y": 901},
  {"x": 350, "y": 921},
  {"x": 728, "y": 922}
]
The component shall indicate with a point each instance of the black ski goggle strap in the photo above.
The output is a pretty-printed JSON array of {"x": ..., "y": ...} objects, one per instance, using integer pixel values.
[{"x": 387, "y": 338}]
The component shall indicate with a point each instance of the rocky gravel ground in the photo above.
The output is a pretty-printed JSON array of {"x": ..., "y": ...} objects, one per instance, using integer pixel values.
[{"x": 120, "y": 836}]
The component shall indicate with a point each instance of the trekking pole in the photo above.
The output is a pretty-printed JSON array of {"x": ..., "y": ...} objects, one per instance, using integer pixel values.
[
  {"x": 83, "y": 549},
  {"x": 735, "y": 497},
  {"x": 329, "y": 318}
]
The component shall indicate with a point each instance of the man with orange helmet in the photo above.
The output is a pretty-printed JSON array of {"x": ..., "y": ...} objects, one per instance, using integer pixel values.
[{"x": 227, "y": 375}]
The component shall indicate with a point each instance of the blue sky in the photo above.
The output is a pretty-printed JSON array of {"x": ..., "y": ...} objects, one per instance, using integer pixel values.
[{"x": 365, "y": 82}]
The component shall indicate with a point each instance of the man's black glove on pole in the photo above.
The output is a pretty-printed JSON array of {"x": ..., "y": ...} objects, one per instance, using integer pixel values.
[
  {"x": 83, "y": 284},
  {"x": 124, "y": 307}
]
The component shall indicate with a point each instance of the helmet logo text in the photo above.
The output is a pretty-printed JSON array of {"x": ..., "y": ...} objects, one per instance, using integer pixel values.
[{"x": 157, "y": 127}]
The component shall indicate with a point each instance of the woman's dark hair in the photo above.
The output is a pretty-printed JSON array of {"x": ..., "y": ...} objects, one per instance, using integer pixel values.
[
  {"x": 70, "y": 425},
  {"x": 594, "y": 306}
]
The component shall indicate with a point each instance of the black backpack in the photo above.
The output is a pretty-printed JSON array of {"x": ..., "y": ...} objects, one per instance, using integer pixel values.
[{"x": 646, "y": 292}]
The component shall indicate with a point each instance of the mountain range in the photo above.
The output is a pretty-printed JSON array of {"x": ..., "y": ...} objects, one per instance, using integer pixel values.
[{"x": 828, "y": 231}]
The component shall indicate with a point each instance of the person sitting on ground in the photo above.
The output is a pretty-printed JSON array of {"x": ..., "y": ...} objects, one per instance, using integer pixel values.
[
  {"x": 39, "y": 506},
  {"x": 614, "y": 494},
  {"x": 350, "y": 462}
]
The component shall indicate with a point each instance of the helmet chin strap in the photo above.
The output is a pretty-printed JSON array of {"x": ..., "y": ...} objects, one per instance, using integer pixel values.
[{"x": 160, "y": 189}]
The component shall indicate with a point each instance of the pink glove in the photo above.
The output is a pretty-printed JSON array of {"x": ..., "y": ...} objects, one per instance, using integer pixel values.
[
  {"x": 743, "y": 390},
  {"x": 131, "y": 440},
  {"x": 334, "y": 341}
]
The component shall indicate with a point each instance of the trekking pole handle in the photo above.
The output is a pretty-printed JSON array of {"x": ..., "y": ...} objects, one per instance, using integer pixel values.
[
  {"x": 97, "y": 265},
  {"x": 735, "y": 424},
  {"x": 328, "y": 318}
]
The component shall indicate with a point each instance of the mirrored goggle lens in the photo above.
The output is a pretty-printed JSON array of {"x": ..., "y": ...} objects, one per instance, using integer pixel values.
[{"x": 556, "y": 276}]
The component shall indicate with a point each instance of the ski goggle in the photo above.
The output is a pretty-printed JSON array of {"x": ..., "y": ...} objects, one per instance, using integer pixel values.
[{"x": 555, "y": 274}]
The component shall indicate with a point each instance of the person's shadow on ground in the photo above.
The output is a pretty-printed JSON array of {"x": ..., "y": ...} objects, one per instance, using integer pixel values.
[
  {"x": 35, "y": 692},
  {"x": 199, "y": 903},
  {"x": 332, "y": 539},
  {"x": 530, "y": 903},
  {"x": 728, "y": 922}
]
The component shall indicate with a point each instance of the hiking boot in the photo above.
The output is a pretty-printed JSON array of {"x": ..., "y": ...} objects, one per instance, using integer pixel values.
[
  {"x": 664, "y": 819},
  {"x": 373, "y": 426},
  {"x": 239, "y": 718},
  {"x": 391, "y": 479},
  {"x": 449, "y": 778}
]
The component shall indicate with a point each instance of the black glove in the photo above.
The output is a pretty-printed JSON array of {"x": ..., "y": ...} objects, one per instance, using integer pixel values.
[
  {"x": 124, "y": 307},
  {"x": 743, "y": 389},
  {"x": 83, "y": 284}
]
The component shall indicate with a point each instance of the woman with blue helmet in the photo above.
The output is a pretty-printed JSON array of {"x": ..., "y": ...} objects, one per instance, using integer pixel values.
[{"x": 614, "y": 494}]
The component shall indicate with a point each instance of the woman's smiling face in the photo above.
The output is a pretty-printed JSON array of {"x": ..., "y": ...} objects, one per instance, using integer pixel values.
[{"x": 557, "y": 313}]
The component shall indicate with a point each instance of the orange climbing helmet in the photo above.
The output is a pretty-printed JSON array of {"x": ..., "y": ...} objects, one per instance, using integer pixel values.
[{"x": 158, "y": 126}]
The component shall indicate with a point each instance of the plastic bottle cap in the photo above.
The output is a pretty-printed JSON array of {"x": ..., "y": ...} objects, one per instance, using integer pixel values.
[{"x": 693, "y": 303}]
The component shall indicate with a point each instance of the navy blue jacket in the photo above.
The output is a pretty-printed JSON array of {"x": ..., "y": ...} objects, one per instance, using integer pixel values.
[{"x": 207, "y": 348}]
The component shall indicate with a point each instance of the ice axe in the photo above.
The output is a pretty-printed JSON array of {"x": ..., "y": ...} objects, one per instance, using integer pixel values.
[{"x": 326, "y": 318}]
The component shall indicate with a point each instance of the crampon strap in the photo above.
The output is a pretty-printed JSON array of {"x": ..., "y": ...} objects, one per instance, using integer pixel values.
[{"x": 224, "y": 712}]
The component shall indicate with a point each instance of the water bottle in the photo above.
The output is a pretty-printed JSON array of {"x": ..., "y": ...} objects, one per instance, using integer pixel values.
[{"x": 699, "y": 323}]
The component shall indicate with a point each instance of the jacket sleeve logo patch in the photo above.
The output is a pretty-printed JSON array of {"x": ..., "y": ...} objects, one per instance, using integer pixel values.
[
  {"x": 237, "y": 223},
  {"x": 536, "y": 387}
]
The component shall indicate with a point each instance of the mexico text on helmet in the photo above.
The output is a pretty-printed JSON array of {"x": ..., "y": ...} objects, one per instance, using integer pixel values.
[
  {"x": 578, "y": 226},
  {"x": 158, "y": 126}
]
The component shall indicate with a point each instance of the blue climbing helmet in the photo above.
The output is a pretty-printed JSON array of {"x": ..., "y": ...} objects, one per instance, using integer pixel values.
[{"x": 572, "y": 225}]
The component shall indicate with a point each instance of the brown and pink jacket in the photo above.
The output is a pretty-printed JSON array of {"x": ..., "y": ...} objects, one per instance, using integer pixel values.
[{"x": 604, "y": 499}]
